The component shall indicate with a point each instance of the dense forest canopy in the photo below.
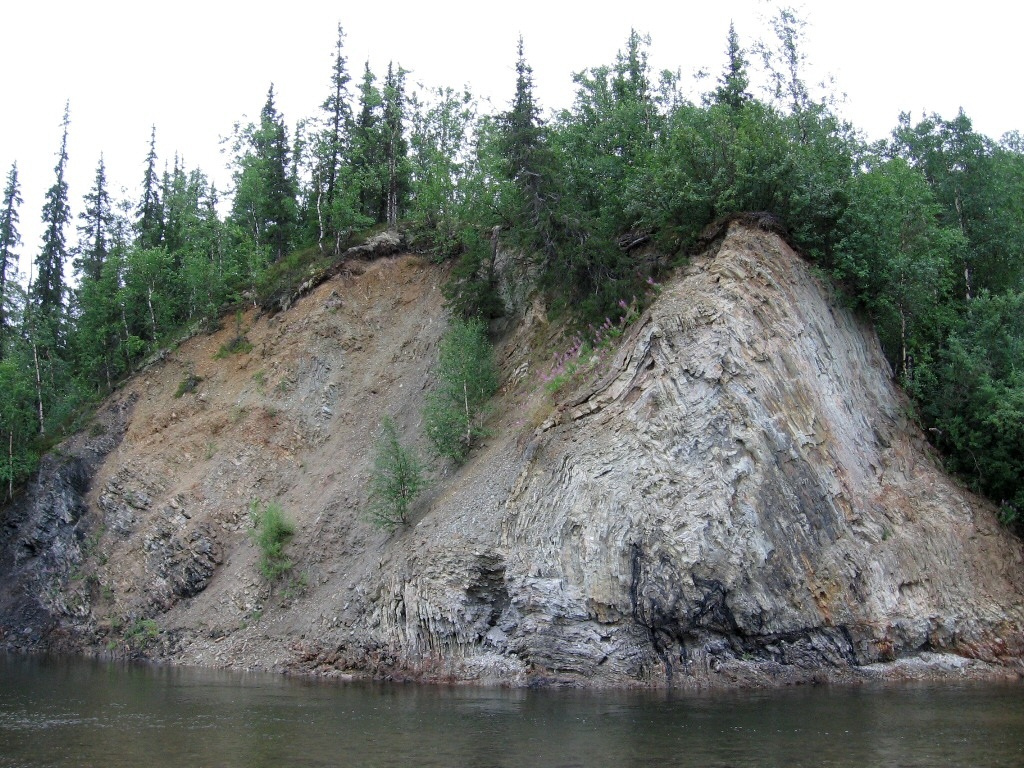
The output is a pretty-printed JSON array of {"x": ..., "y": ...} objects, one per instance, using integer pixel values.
[{"x": 922, "y": 232}]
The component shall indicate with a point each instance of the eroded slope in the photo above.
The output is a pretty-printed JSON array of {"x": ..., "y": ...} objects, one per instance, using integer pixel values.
[{"x": 737, "y": 497}]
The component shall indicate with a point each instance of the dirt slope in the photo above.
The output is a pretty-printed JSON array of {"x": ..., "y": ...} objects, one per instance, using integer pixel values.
[{"x": 737, "y": 497}]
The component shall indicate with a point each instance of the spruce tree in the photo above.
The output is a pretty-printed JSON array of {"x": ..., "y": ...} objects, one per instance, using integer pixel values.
[
  {"x": 94, "y": 230},
  {"x": 367, "y": 150},
  {"x": 265, "y": 195},
  {"x": 521, "y": 128},
  {"x": 149, "y": 224},
  {"x": 272, "y": 145},
  {"x": 527, "y": 165},
  {"x": 338, "y": 116},
  {"x": 396, "y": 147},
  {"x": 10, "y": 239},
  {"x": 47, "y": 292},
  {"x": 733, "y": 83}
]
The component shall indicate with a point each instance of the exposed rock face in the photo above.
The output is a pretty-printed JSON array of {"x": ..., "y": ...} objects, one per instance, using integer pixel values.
[
  {"x": 744, "y": 485},
  {"x": 736, "y": 496},
  {"x": 46, "y": 536}
]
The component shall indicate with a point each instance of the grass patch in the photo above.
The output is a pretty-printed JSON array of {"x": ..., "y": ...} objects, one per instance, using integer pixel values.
[
  {"x": 237, "y": 346},
  {"x": 188, "y": 384},
  {"x": 142, "y": 633}
]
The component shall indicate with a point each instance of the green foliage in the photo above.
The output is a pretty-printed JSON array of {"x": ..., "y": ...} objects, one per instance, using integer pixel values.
[
  {"x": 472, "y": 289},
  {"x": 896, "y": 259},
  {"x": 239, "y": 343},
  {"x": 271, "y": 531},
  {"x": 188, "y": 384},
  {"x": 441, "y": 157},
  {"x": 972, "y": 398},
  {"x": 142, "y": 633},
  {"x": 47, "y": 291},
  {"x": 264, "y": 205},
  {"x": 924, "y": 233},
  {"x": 397, "y": 479},
  {"x": 467, "y": 377},
  {"x": 10, "y": 239}
]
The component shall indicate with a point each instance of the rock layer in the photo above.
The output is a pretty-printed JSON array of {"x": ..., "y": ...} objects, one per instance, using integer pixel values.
[{"x": 736, "y": 495}]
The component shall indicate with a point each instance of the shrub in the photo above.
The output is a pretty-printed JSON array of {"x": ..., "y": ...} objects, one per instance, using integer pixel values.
[
  {"x": 142, "y": 633},
  {"x": 271, "y": 531},
  {"x": 467, "y": 378},
  {"x": 396, "y": 481},
  {"x": 188, "y": 384}
]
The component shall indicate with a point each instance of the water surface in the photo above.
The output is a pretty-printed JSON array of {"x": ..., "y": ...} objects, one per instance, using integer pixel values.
[{"x": 64, "y": 712}]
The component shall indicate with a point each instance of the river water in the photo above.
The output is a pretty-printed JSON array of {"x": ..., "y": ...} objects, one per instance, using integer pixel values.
[{"x": 66, "y": 712}]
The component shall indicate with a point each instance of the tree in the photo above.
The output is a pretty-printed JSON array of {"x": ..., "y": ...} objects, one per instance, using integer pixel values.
[
  {"x": 604, "y": 149},
  {"x": 396, "y": 480},
  {"x": 47, "y": 292},
  {"x": 396, "y": 147},
  {"x": 367, "y": 148},
  {"x": 521, "y": 127},
  {"x": 897, "y": 260},
  {"x": 332, "y": 147},
  {"x": 526, "y": 163},
  {"x": 467, "y": 377},
  {"x": 440, "y": 141},
  {"x": 18, "y": 425},
  {"x": 265, "y": 204},
  {"x": 785, "y": 64},
  {"x": 94, "y": 230},
  {"x": 10, "y": 239},
  {"x": 733, "y": 83},
  {"x": 149, "y": 224},
  {"x": 980, "y": 186},
  {"x": 973, "y": 403}
]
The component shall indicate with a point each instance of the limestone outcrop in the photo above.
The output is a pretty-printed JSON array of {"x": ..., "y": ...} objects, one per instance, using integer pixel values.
[{"x": 736, "y": 494}]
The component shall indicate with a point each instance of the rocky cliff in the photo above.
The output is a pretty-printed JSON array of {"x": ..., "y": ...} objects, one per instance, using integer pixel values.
[{"x": 736, "y": 495}]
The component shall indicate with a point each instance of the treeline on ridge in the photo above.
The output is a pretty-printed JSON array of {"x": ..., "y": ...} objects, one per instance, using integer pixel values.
[{"x": 923, "y": 232}]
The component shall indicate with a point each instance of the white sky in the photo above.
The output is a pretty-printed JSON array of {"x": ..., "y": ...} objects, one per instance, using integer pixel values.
[{"x": 194, "y": 68}]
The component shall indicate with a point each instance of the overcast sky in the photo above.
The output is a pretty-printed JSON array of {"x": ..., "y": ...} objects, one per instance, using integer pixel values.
[{"x": 194, "y": 68}]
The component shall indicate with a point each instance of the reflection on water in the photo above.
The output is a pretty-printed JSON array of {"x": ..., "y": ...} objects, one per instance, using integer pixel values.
[{"x": 70, "y": 712}]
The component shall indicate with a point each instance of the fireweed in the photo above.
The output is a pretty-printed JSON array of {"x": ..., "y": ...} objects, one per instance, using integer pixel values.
[{"x": 587, "y": 351}]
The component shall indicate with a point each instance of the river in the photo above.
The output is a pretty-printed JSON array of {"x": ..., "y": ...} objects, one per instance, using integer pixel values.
[{"x": 69, "y": 712}]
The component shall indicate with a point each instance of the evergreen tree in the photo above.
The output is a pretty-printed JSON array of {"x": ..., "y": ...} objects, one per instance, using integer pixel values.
[
  {"x": 272, "y": 146},
  {"x": 521, "y": 133},
  {"x": 395, "y": 145},
  {"x": 94, "y": 231},
  {"x": 605, "y": 148},
  {"x": 10, "y": 239},
  {"x": 527, "y": 164},
  {"x": 368, "y": 150},
  {"x": 265, "y": 194},
  {"x": 733, "y": 83},
  {"x": 334, "y": 138},
  {"x": 149, "y": 224},
  {"x": 97, "y": 348},
  {"x": 333, "y": 202},
  {"x": 47, "y": 291}
]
